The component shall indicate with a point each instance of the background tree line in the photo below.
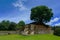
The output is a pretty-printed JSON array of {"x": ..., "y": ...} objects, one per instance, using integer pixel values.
[{"x": 7, "y": 25}]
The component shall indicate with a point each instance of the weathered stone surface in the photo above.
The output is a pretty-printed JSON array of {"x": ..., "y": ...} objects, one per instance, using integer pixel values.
[{"x": 36, "y": 29}]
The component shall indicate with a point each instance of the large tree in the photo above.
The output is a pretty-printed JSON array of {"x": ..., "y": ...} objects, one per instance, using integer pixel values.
[{"x": 41, "y": 14}]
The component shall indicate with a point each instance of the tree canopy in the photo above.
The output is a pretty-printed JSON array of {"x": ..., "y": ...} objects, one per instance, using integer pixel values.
[
  {"x": 41, "y": 14},
  {"x": 12, "y": 26},
  {"x": 7, "y": 25},
  {"x": 21, "y": 25}
]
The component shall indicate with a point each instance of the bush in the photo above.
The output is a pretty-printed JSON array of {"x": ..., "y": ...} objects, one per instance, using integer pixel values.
[{"x": 57, "y": 31}]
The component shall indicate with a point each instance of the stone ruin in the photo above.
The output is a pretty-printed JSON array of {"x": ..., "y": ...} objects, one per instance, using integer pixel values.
[{"x": 36, "y": 29}]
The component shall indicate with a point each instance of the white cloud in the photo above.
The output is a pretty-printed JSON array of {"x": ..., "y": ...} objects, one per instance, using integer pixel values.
[
  {"x": 57, "y": 24},
  {"x": 16, "y": 19},
  {"x": 25, "y": 16},
  {"x": 55, "y": 19},
  {"x": 19, "y": 4},
  {"x": 52, "y": 21}
]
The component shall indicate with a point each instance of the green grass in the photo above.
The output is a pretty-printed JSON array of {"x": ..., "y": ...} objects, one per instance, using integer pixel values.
[{"x": 30, "y": 37}]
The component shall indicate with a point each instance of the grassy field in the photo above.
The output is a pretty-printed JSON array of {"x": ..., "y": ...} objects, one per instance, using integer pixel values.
[{"x": 30, "y": 37}]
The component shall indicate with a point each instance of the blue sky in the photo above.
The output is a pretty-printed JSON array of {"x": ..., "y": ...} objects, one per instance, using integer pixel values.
[{"x": 16, "y": 10}]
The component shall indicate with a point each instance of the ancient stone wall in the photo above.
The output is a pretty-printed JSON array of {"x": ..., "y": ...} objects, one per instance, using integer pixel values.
[
  {"x": 8, "y": 32},
  {"x": 40, "y": 29},
  {"x": 36, "y": 29}
]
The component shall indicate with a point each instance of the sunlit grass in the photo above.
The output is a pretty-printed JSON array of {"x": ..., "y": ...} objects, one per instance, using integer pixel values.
[{"x": 30, "y": 37}]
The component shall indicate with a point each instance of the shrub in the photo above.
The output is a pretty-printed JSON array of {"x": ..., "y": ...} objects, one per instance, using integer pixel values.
[{"x": 57, "y": 31}]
